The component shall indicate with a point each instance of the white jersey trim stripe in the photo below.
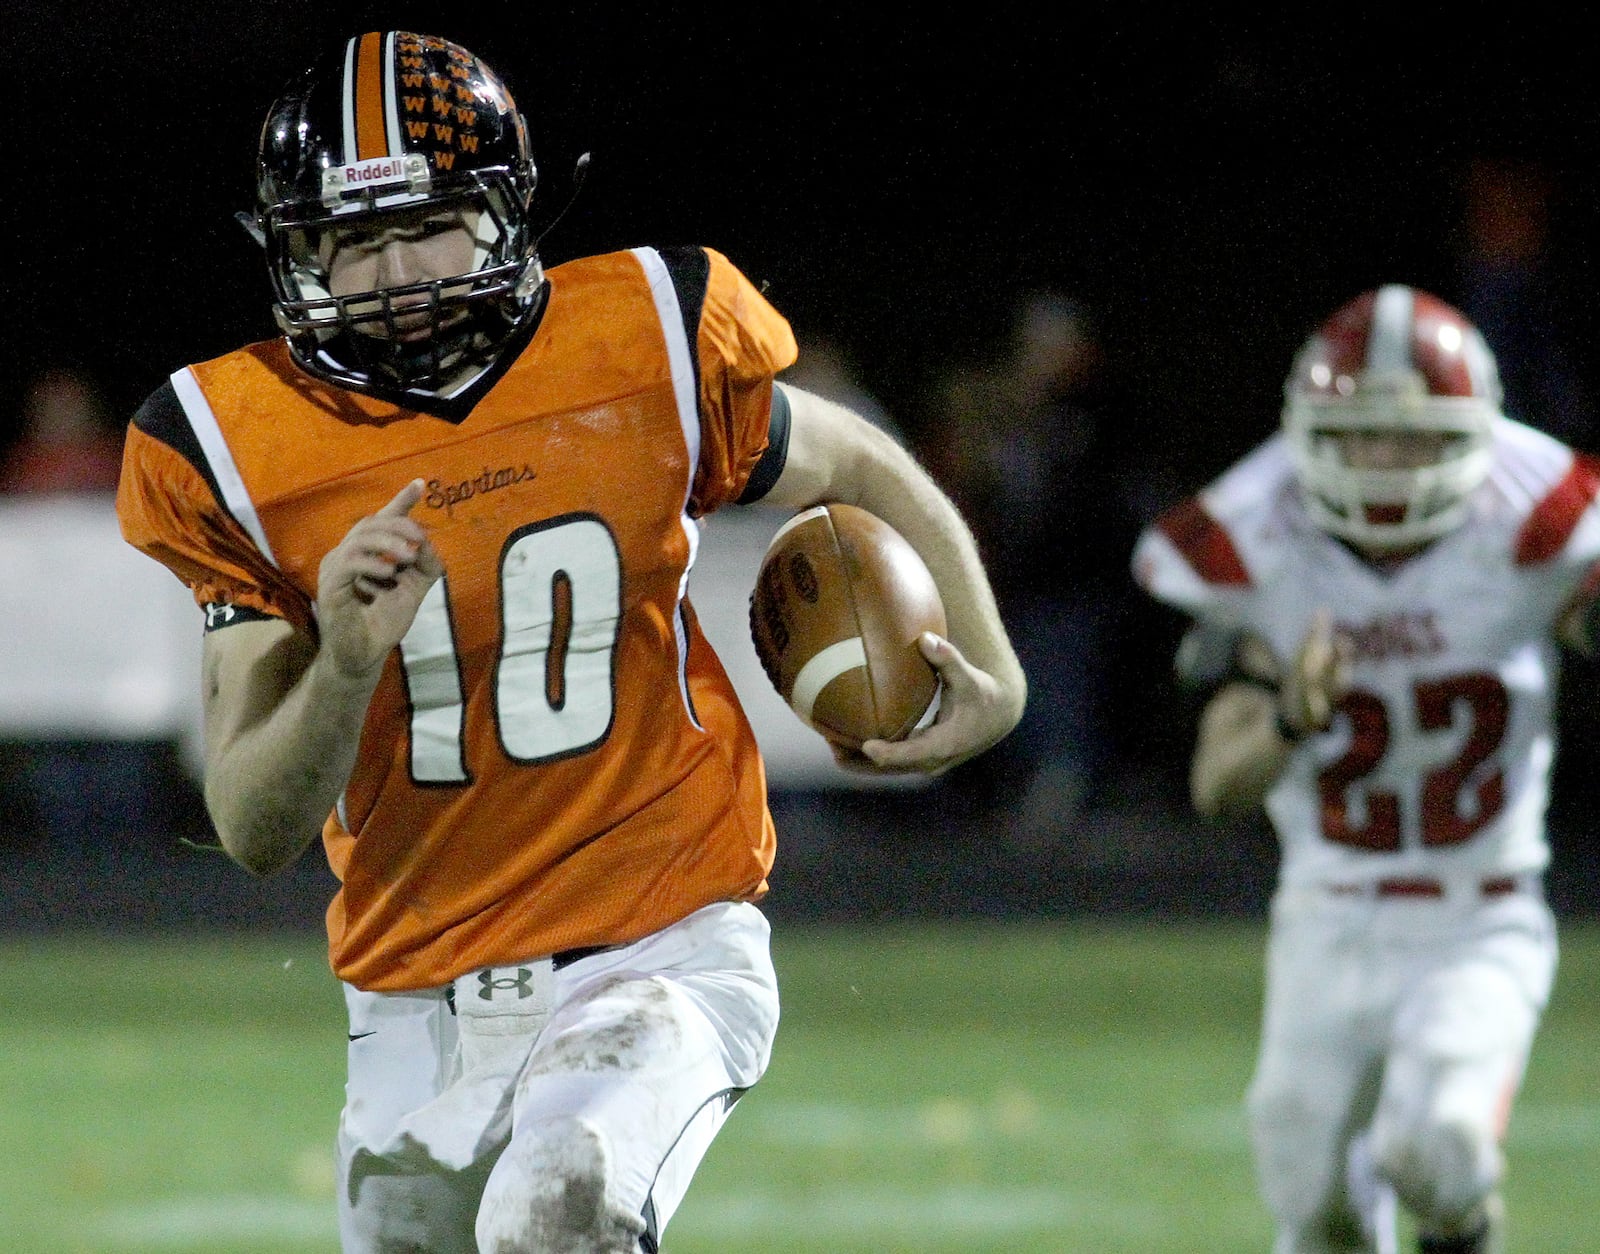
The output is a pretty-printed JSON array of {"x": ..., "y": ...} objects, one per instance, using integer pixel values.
[
  {"x": 680, "y": 361},
  {"x": 348, "y": 98},
  {"x": 235, "y": 496}
]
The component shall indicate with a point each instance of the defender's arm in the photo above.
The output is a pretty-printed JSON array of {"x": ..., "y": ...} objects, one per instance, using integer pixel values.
[{"x": 1253, "y": 723}]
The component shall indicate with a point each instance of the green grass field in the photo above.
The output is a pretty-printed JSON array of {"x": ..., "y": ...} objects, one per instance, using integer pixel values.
[{"x": 949, "y": 1088}]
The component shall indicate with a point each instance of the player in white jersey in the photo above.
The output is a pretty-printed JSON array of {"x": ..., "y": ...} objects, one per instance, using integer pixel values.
[{"x": 1379, "y": 594}]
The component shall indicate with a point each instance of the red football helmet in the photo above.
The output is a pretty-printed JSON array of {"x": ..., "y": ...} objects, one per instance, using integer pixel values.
[{"x": 1395, "y": 362}]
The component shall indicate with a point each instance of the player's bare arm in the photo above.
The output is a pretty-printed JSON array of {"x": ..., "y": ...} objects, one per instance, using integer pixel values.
[
  {"x": 284, "y": 712},
  {"x": 1250, "y": 727},
  {"x": 834, "y": 455},
  {"x": 1239, "y": 753}
]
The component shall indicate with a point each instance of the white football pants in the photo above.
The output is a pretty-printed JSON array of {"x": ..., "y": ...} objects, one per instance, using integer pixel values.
[
  {"x": 1409, "y": 1018},
  {"x": 541, "y": 1108}
]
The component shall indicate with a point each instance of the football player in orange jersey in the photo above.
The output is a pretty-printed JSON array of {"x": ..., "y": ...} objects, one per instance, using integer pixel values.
[{"x": 443, "y": 531}]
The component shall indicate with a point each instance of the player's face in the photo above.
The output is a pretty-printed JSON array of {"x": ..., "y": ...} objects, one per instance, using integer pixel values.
[
  {"x": 1392, "y": 450},
  {"x": 399, "y": 250}
]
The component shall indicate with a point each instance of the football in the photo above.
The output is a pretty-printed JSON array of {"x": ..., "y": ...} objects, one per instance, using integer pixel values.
[{"x": 839, "y": 603}]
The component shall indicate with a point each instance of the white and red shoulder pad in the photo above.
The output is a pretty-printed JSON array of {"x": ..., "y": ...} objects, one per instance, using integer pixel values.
[
  {"x": 1208, "y": 554},
  {"x": 1553, "y": 488},
  {"x": 1554, "y": 492}
]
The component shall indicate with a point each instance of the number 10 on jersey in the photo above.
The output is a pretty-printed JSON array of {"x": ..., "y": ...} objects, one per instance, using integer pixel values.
[{"x": 560, "y": 587}]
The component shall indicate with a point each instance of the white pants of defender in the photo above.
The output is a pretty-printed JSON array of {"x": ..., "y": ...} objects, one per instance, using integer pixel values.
[
  {"x": 1401, "y": 1016},
  {"x": 575, "y": 1127}
]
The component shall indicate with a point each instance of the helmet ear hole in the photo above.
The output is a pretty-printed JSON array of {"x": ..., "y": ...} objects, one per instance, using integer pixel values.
[{"x": 304, "y": 248}]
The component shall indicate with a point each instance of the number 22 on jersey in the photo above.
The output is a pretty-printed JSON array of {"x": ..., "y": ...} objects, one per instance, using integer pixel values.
[{"x": 1447, "y": 817}]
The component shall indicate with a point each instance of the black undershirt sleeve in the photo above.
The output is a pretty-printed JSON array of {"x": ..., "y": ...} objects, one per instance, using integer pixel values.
[
  {"x": 220, "y": 615},
  {"x": 772, "y": 460}
]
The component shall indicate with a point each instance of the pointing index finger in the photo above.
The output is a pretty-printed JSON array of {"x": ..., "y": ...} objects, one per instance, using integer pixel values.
[{"x": 402, "y": 502}]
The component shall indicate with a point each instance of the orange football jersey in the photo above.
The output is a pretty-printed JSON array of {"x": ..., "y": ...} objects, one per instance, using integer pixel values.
[{"x": 554, "y": 757}]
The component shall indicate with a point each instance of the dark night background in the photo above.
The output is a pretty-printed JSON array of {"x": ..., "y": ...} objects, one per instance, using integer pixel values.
[{"x": 897, "y": 179}]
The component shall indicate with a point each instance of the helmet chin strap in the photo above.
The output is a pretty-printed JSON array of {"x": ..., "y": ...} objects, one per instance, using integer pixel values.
[{"x": 580, "y": 171}]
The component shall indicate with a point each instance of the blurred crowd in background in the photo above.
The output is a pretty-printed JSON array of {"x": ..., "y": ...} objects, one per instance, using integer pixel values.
[{"x": 1043, "y": 425}]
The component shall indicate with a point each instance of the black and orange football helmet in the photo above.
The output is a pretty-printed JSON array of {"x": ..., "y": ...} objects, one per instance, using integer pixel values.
[{"x": 396, "y": 122}]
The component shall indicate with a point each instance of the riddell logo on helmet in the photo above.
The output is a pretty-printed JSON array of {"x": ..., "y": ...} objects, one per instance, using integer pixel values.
[
  {"x": 410, "y": 168},
  {"x": 378, "y": 170}
]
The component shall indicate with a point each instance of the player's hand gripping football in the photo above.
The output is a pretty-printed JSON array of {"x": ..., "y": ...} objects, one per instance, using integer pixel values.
[
  {"x": 972, "y": 717},
  {"x": 1316, "y": 678},
  {"x": 371, "y": 584}
]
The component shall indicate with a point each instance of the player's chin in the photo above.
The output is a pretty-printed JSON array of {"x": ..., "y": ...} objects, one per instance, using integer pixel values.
[{"x": 413, "y": 328}]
